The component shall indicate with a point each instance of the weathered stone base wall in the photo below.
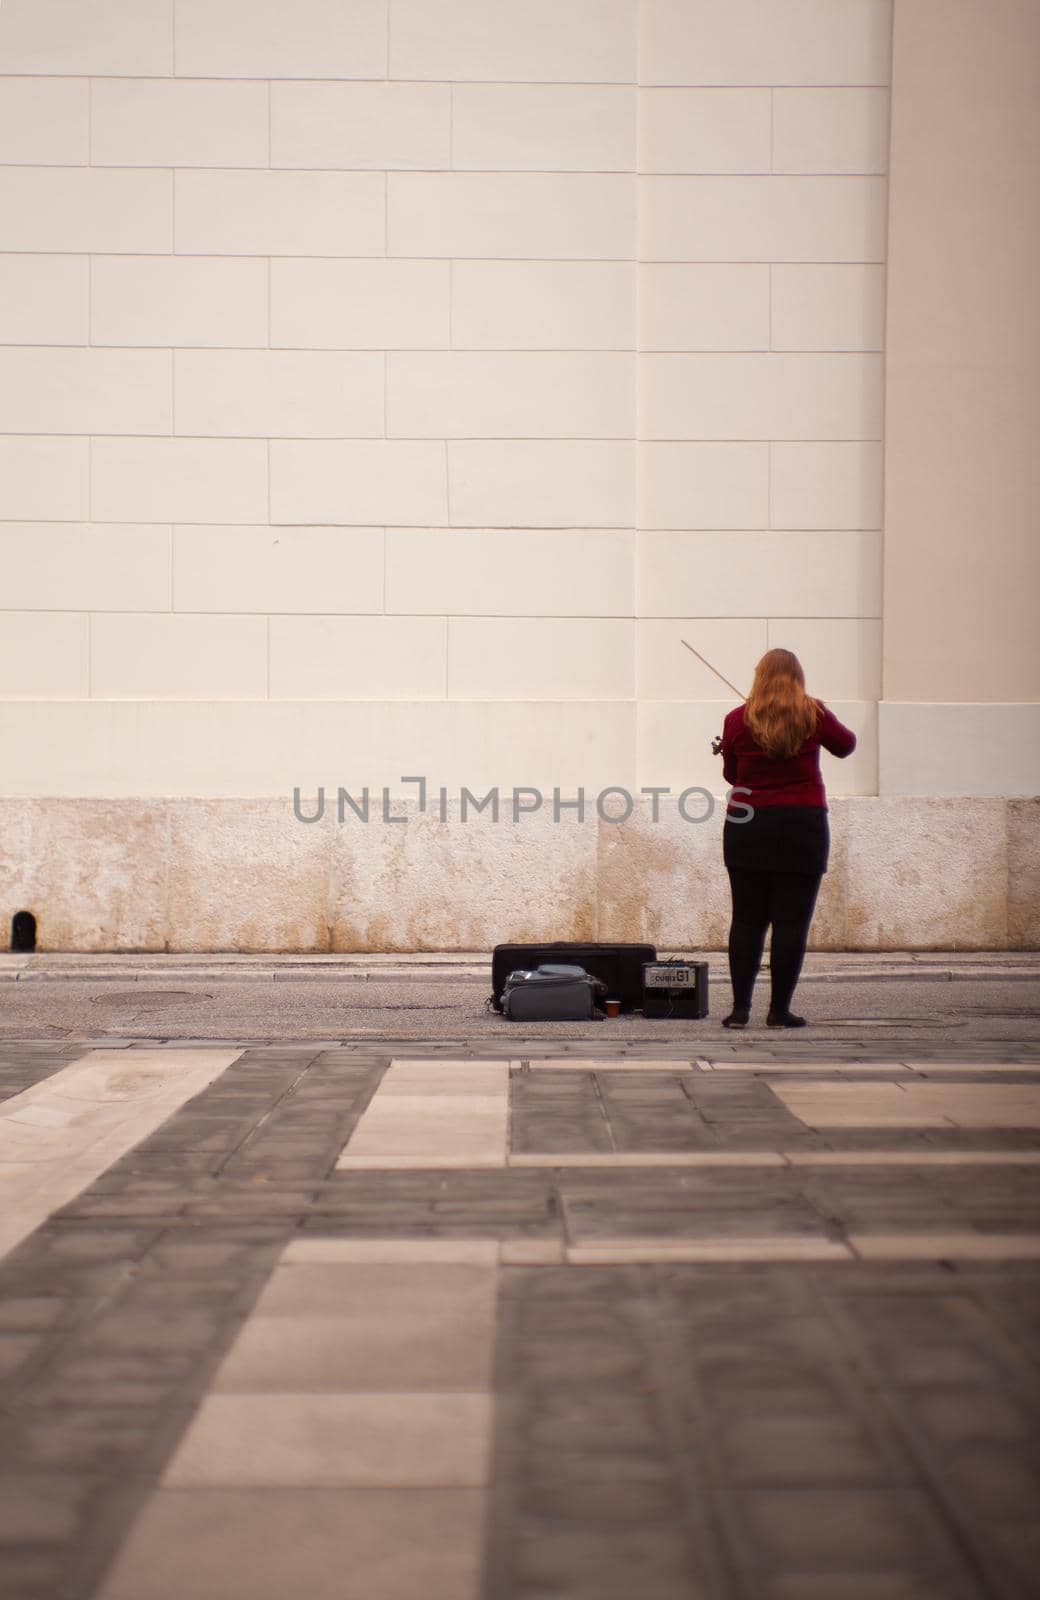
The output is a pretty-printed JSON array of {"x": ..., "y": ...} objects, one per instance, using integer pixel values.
[{"x": 246, "y": 875}]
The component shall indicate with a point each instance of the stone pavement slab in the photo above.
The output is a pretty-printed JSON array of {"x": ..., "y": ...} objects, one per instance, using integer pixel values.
[
  {"x": 268, "y": 1545},
  {"x": 335, "y": 1440}
]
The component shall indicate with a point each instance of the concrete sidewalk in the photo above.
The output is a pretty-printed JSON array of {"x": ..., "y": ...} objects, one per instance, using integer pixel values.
[{"x": 855, "y": 1001}]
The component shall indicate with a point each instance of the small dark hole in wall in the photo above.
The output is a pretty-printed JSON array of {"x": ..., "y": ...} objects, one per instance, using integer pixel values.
[{"x": 23, "y": 931}]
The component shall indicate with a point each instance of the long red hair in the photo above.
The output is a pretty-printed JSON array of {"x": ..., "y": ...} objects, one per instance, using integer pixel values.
[{"x": 778, "y": 713}]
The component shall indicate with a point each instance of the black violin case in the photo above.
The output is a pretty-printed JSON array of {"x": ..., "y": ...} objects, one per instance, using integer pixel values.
[{"x": 620, "y": 966}]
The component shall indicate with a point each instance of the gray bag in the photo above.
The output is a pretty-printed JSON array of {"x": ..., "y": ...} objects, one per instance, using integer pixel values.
[{"x": 551, "y": 993}]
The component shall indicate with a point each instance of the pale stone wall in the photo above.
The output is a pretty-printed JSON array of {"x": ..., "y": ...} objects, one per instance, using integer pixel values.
[
  {"x": 426, "y": 355},
  {"x": 246, "y": 875},
  {"x": 962, "y": 470},
  {"x": 386, "y": 388}
]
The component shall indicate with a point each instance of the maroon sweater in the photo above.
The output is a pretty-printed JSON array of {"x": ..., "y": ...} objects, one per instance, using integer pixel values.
[{"x": 780, "y": 781}]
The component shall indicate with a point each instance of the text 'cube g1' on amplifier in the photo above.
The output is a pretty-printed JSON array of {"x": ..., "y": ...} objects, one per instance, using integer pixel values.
[{"x": 675, "y": 989}]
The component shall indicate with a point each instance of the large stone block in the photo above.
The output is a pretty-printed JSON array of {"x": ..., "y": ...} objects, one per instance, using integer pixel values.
[
  {"x": 828, "y": 931},
  {"x": 44, "y": 655},
  {"x": 524, "y": 215},
  {"x": 358, "y": 481},
  {"x": 704, "y": 130},
  {"x": 1023, "y": 859},
  {"x": 830, "y": 130},
  {"x": 525, "y": 572},
  {"x": 723, "y": 395},
  {"x": 44, "y": 299},
  {"x": 696, "y": 485},
  {"x": 541, "y": 483},
  {"x": 358, "y": 125},
  {"x": 828, "y": 307},
  {"x": 44, "y": 478},
  {"x": 927, "y": 873},
  {"x": 102, "y": 36},
  {"x": 665, "y": 670},
  {"x": 845, "y": 657},
  {"x": 94, "y": 873},
  {"x": 540, "y": 658},
  {"x": 540, "y": 305},
  {"x": 664, "y": 881},
  {"x": 86, "y": 208},
  {"x": 263, "y": 39},
  {"x": 361, "y": 304},
  {"x": 50, "y": 390},
  {"x": 170, "y": 122},
  {"x": 762, "y": 219},
  {"x": 238, "y": 212},
  {"x": 703, "y": 305},
  {"x": 543, "y": 127},
  {"x": 424, "y": 884},
  {"x": 358, "y": 658},
  {"x": 280, "y": 570},
  {"x": 759, "y": 574},
  {"x": 832, "y": 485},
  {"x": 284, "y": 394},
  {"x": 45, "y": 121},
  {"x": 246, "y": 875},
  {"x": 15, "y": 852},
  {"x": 587, "y": 41},
  {"x": 177, "y": 656},
  {"x": 758, "y": 41},
  {"x": 187, "y": 301},
  {"x": 179, "y": 480},
  {"x": 528, "y": 394}
]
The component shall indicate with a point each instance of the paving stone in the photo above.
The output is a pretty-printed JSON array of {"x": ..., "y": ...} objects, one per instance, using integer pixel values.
[
  {"x": 340, "y": 1252},
  {"x": 1015, "y": 1544},
  {"x": 998, "y": 1482},
  {"x": 266, "y": 1202},
  {"x": 958, "y": 1417},
  {"x": 126, "y": 1206},
  {"x": 622, "y": 1502},
  {"x": 30, "y": 1574},
  {"x": 102, "y": 1438},
  {"x": 599, "y": 1560},
  {"x": 557, "y": 1112},
  {"x": 255, "y": 1545},
  {"x": 87, "y": 1244},
  {"x": 295, "y": 1441},
  {"x": 40, "y": 1508},
  {"x": 869, "y": 1586},
  {"x": 847, "y": 1531},
  {"x": 133, "y": 1328},
  {"x": 26, "y": 1314},
  {"x": 791, "y": 1451},
  {"x": 15, "y": 1351}
]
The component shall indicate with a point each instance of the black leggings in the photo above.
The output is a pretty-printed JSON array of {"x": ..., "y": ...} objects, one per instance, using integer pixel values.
[{"x": 785, "y": 899}]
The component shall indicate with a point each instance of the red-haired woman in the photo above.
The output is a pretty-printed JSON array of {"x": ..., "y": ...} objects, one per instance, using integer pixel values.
[{"x": 777, "y": 855}]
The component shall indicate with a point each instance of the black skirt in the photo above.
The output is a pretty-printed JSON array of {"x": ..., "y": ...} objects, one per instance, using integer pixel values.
[{"x": 778, "y": 839}]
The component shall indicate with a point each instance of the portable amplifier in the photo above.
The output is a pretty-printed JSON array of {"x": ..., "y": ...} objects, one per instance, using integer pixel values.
[{"x": 675, "y": 988}]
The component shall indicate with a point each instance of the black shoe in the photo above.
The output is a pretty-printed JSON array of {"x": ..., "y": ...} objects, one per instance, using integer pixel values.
[
  {"x": 784, "y": 1019},
  {"x": 738, "y": 1018}
]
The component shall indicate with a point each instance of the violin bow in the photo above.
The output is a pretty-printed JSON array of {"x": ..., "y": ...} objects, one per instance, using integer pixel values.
[
  {"x": 716, "y": 671},
  {"x": 716, "y": 744}
]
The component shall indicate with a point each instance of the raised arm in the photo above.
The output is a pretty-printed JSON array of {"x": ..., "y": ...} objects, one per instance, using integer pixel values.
[{"x": 833, "y": 735}]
